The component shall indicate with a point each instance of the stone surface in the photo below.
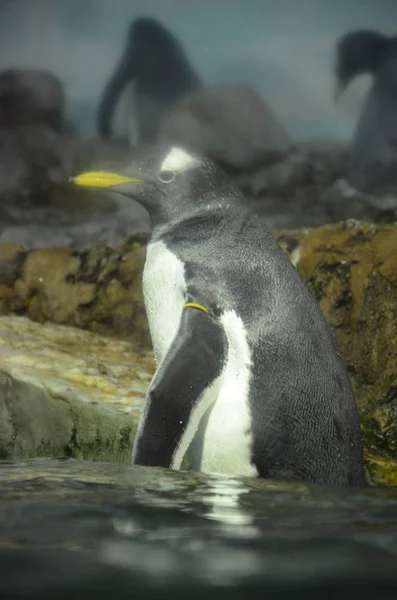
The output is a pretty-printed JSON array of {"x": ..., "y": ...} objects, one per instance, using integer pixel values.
[
  {"x": 308, "y": 188},
  {"x": 68, "y": 392},
  {"x": 305, "y": 187},
  {"x": 40, "y": 208},
  {"x": 99, "y": 289},
  {"x": 351, "y": 268},
  {"x": 31, "y": 96},
  {"x": 230, "y": 123}
]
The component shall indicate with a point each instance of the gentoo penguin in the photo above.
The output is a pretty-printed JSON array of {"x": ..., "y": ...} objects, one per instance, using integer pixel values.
[
  {"x": 374, "y": 150},
  {"x": 161, "y": 74},
  {"x": 249, "y": 379}
]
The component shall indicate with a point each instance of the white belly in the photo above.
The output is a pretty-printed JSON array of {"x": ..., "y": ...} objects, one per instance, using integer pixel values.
[
  {"x": 222, "y": 439},
  {"x": 164, "y": 291}
]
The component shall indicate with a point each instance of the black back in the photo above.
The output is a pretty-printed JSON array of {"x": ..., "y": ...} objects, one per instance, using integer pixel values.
[
  {"x": 304, "y": 418},
  {"x": 305, "y": 422}
]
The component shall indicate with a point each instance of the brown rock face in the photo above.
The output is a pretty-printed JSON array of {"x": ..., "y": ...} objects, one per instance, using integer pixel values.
[
  {"x": 352, "y": 270},
  {"x": 98, "y": 289},
  {"x": 350, "y": 267}
]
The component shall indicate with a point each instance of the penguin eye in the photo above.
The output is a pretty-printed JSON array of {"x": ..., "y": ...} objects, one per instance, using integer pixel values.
[{"x": 166, "y": 176}]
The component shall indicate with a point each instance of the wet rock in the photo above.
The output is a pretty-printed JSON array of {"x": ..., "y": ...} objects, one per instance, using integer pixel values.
[
  {"x": 230, "y": 123},
  {"x": 31, "y": 161},
  {"x": 39, "y": 207},
  {"x": 67, "y": 392},
  {"x": 319, "y": 163},
  {"x": 35, "y": 166},
  {"x": 98, "y": 289},
  {"x": 351, "y": 267},
  {"x": 31, "y": 96},
  {"x": 309, "y": 187}
]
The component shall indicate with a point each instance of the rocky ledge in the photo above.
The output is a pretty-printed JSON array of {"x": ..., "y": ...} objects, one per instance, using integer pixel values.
[
  {"x": 351, "y": 267},
  {"x": 68, "y": 392}
]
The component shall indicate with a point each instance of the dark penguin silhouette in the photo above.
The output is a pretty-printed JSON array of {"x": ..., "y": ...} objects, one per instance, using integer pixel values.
[
  {"x": 156, "y": 63},
  {"x": 374, "y": 149},
  {"x": 249, "y": 378}
]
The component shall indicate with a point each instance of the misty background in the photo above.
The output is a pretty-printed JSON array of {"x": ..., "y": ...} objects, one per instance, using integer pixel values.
[{"x": 285, "y": 48}]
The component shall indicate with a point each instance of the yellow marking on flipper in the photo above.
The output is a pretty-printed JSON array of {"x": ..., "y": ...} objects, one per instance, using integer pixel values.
[{"x": 195, "y": 305}]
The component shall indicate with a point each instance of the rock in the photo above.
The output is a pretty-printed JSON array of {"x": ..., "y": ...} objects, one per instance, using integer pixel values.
[
  {"x": 230, "y": 123},
  {"x": 68, "y": 392},
  {"x": 98, "y": 289},
  {"x": 35, "y": 166},
  {"x": 351, "y": 268},
  {"x": 322, "y": 163},
  {"x": 39, "y": 207},
  {"x": 308, "y": 188},
  {"x": 31, "y": 161},
  {"x": 31, "y": 97}
]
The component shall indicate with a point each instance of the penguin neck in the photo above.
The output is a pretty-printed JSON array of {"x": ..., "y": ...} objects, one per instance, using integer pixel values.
[{"x": 210, "y": 209}]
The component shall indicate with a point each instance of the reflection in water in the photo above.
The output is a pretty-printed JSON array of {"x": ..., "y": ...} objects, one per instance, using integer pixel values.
[
  {"x": 149, "y": 550},
  {"x": 224, "y": 501},
  {"x": 70, "y": 526}
]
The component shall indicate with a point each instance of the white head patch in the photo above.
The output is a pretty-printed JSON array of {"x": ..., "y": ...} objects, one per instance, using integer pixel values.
[{"x": 177, "y": 160}]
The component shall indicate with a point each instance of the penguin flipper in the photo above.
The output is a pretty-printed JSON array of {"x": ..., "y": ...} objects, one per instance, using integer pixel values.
[
  {"x": 176, "y": 399},
  {"x": 112, "y": 93}
]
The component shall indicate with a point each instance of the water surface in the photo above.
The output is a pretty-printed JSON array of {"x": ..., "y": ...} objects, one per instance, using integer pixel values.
[{"x": 73, "y": 529}]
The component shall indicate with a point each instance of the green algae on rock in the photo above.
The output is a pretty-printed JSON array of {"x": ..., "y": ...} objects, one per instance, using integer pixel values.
[
  {"x": 99, "y": 289},
  {"x": 351, "y": 267},
  {"x": 352, "y": 270},
  {"x": 68, "y": 392}
]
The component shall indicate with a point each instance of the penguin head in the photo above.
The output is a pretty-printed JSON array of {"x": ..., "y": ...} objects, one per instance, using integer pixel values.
[
  {"x": 357, "y": 52},
  {"x": 167, "y": 182}
]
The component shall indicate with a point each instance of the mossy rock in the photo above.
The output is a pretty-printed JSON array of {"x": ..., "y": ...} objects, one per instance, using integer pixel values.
[{"x": 351, "y": 268}]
